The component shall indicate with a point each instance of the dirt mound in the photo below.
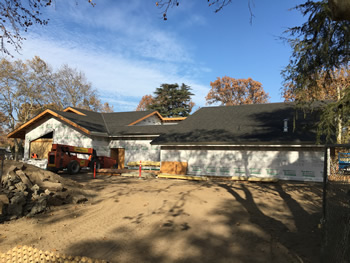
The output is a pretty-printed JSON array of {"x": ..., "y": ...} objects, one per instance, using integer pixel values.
[{"x": 27, "y": 190}]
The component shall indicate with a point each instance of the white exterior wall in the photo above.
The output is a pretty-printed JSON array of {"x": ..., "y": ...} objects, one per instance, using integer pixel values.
[
  {"x": 152, "y": 120},
  {"x": 62, "y": 134},
  {"x": 287, "y": 165},
  {"x": 137, "y": 150},
  {"x": 101, "y": 145}
]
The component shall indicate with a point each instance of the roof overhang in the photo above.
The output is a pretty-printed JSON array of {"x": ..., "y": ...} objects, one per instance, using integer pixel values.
[
  {"x": 174, "y": 119},
  {"x": 21, "y": 131},
  {"x": 156, "y": 113},
  {"x": 70, "y": 109}
]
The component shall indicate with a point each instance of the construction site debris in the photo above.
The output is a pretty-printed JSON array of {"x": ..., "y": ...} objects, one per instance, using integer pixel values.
[{"x": 26, "y": 190}]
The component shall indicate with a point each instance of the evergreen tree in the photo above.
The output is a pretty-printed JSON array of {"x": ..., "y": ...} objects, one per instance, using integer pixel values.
[
  {"x": 321, "y": 46},
  {"x": 171, "y": 100}
]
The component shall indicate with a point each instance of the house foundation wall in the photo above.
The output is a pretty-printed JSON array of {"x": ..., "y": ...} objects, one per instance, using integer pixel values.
[{"x": 285, "y": 164}]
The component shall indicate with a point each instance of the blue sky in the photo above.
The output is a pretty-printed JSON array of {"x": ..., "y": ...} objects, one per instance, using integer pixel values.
[{"x": 126, "y": 50}]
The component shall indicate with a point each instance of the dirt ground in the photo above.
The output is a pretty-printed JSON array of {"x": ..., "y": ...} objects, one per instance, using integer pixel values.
[{"x": 166, "y": 220}]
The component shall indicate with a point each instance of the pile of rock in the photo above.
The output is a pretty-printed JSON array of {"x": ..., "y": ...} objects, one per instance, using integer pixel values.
[{"x": 26, "y": 193}]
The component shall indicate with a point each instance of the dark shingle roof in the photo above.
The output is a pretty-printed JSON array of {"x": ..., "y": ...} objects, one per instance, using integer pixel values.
[
  {"x": 113, "y": 124},
  {"x": 243, "y": 124},
  {"x": 92, "y": 121}
]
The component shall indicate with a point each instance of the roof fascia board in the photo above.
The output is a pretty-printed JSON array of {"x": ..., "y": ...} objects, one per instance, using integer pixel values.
[
  {"x": 147, "y": 116},
  {"x": 174, "y": 119},
  {"x": 99, "y": 134},
  {"x": 48, "y": 111},
  {"x": 74, "y": 110},
  {"x": 28, "y": 123},
  {"x": 132, "y": 136}
]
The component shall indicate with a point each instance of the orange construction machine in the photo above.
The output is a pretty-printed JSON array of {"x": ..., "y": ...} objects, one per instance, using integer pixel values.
[{"x": 66, "y": 157}]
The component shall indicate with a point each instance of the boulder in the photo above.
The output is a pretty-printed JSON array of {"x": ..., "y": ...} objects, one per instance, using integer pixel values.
[
  {"x": 79, "y": 199},
  {"x": 15, "y": 208},
  {"x": 52, "y": 186},
  {"x": 4, "y": 202},
  {"x": 24, "y": 178},
  {"x": 39, "y": 206},
  {"x": 38, "y": 177},
  {"x": 21, "y": 186}
]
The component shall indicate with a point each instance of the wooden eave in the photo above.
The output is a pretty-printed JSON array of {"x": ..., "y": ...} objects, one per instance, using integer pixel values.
[
  {"x": 21, "y": 131},
  {"x": 147, "y": 116},
  {"x": 174, "y": 119},
  {"x": 160, "y": 117},
  {"x": 70, "y": 109}
]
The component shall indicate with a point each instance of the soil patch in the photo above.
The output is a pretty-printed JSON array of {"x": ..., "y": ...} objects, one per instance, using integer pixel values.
[{"x": 167, "y": 220}]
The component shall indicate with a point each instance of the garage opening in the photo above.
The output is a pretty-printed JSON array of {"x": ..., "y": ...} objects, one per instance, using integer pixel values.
[{"x": 40, "y": 147}]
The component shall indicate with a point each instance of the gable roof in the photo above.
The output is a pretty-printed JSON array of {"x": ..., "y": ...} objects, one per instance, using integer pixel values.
[
  {"x": 95, "y": 123},
  {"x": 243, "y": 124}
]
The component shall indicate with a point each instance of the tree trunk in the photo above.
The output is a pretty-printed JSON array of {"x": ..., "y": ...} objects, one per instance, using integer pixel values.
[
  {"x": 340, "y": 9},
  {"x": 16, "y": 149},
  {"x": 339, "y": 118}
]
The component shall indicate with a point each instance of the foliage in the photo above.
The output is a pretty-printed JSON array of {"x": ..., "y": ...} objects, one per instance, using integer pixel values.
[
  {"x": 327, "y": 89},
  {"x": 28, "y": 87},
  {"x": 170, "y": 100},
  {"x": 164, "y": 5},
  {"x": 321, "y": 49},
  {"x": 145, "y": 102},
  {"x": 230, "y": 91},
  {"x": 340, "y": 9},
  {"x": 319, "y": 46},
  {"x": 333, "y": 119},
  {"x": 17, "y": 15}
]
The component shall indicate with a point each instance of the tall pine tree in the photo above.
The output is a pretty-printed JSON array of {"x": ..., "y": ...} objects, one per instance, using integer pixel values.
[{"x": 172, "y": 100}]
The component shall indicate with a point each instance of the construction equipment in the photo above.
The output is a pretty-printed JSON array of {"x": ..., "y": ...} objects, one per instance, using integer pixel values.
[{"x": 70, "y": 157}]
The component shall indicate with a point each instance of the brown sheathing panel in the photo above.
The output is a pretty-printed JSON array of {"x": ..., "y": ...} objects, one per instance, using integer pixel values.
[
  {"x": 20, "y": 132},
  {"x": 174, "y": 168},
  {"x": 69, "y": 109},
  {"x": 147, "y": 116},
  {"x": 41, "y": 147}
]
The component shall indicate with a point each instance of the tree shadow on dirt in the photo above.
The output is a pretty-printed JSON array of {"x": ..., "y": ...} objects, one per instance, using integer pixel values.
[
  {"x": 306, "y": 223},
  {"x": 236, "y": 231}
]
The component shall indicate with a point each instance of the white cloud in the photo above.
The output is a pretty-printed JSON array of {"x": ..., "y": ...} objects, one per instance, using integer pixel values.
[
  {"x": 122, "y": 81},
  {"x": 123, "y": 55}
]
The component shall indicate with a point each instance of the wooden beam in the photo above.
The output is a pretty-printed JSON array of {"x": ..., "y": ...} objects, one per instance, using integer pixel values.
[
  {"x": 74, "y": 111},
  {"x": 41, "y": 115},
  {"x": 147, "y": 116}
]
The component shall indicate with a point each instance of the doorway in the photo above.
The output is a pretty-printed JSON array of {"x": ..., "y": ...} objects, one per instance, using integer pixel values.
[{"x": 119, "y": 155}]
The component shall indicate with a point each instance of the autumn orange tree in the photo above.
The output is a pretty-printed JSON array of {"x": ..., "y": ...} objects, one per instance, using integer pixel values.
[
  {"x": 145, "y": 103},
  {"x": 230, "y": 91},
  {"x": 334, "y": 89},
  {"x": 328, "y": 87}
]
